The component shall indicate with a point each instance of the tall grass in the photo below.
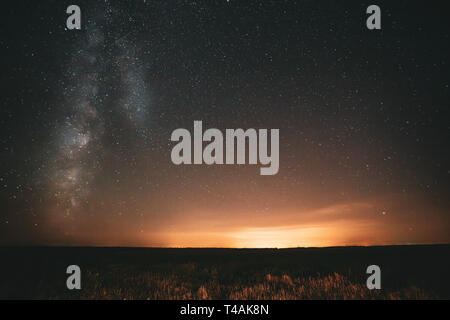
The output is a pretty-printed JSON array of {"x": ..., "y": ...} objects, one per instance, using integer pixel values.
[
  {"x": 409, "y": 272},
  {"x": 155, "y": 286}
]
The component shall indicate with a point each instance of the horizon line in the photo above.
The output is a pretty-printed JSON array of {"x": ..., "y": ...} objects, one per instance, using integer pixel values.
[{"x": 227, "y": 248}]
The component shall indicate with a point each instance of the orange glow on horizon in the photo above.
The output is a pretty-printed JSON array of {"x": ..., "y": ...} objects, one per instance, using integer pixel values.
[{"x": 358, "y": 223}]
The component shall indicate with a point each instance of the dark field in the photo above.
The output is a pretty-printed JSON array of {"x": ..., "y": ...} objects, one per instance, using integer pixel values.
[{"x": 407, "y": 272}]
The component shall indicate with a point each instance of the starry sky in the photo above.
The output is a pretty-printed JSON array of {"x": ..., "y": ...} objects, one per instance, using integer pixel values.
[{"x": 87, "y": 115}]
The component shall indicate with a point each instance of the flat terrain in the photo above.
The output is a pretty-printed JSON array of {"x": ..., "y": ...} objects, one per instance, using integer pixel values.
[{"x": 407, "y": 272}]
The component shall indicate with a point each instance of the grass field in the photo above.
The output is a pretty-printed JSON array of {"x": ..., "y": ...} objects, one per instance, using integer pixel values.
[{"x": 407, "y": 272}]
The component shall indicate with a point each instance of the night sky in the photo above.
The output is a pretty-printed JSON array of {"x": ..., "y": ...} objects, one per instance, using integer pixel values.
[{"x": 87, "y": 115}]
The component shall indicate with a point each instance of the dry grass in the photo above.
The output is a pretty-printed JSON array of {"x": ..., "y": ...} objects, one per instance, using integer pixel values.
[
  {"x": 419, "y": 272},
  {"x": 153, "y": 286}
]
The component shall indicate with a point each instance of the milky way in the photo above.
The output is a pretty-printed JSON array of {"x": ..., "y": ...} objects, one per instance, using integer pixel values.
[{"x": 104, "y": 77}]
